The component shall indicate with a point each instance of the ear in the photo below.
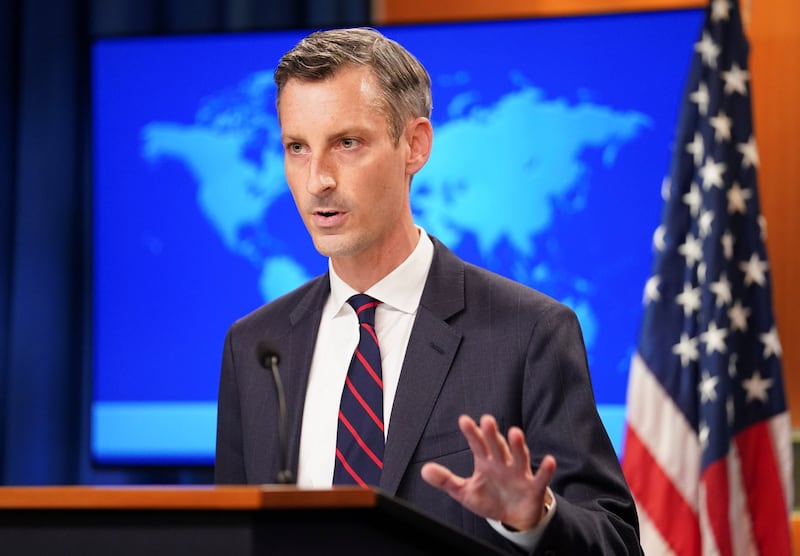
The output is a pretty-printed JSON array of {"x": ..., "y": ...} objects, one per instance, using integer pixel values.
[{"x": 419, "y": 134}]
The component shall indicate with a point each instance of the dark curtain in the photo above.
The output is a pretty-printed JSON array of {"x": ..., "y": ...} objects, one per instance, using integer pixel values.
[{"x": 44, "y": 211}]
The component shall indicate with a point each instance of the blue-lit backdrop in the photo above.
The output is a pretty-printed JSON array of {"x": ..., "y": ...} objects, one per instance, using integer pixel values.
[{"x": 552, "y": 137}]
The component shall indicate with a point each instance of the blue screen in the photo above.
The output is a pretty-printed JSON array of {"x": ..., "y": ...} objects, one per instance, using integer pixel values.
[{"x": 551, "y": 141}]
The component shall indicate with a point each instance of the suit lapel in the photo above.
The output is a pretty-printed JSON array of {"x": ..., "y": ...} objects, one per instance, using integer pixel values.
[
  {"x": 304, "y": 326},
  {"x": 431, "y": 349}
]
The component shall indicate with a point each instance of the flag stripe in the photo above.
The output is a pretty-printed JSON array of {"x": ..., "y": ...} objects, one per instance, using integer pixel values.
[
  {"x": 780, "y": 428},
  {"x": 765, "y": 490},
  {"x": 656, "y": 494},
  {"x": 715, "y": 481},
  {"x": 649, "y": 407},
  {"x": 650, "y": 536},
  {"x": 742, "y": 533}
]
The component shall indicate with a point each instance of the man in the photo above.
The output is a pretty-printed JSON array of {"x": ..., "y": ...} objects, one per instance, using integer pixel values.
[{"x": 457, "y": 343}]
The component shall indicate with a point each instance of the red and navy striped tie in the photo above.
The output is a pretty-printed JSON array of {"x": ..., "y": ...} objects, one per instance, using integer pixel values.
[{"x": 360, "y": 440}]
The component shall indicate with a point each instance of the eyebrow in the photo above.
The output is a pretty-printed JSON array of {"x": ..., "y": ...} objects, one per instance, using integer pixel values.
[{"x": 359, "y": 131}]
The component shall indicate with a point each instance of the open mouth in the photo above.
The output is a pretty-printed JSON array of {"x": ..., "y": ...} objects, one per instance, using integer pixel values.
[{"x": 328, "y": 218}]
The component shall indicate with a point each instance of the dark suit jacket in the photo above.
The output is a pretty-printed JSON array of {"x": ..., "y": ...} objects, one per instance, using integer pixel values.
[{"x": 480, "y": 344}]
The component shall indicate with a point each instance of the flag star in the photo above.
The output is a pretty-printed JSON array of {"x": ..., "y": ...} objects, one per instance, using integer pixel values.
[
  {"x": 749, "y": 152},
  {"x": 720, "y": 10},
  {"x": 703, "y": 434},
  {"x": 708, "y": 50},
  {"x": 714, "y": 339},
  {"x": 722, "y": 290},
  {"x": 651, "y": 292},
  {"x": 691, "y": 249},
  {"x": 696, "y": 148},
  {"x": 737, "y": 199},
  {"x": 727, "y": 244},
  {"x": 702, "y": 268},
  {"x": 666, "y": 185},
  {"x": 689, "y": 299},
  {"x": 772, "y": 344},
  {"x": 757, "y": 387},
  {"x": 658, "y": 238},
  {"x": 736, "y": 80},
  {"x": 705, "y": 221},
  {"x": 701, "y": 98},
  {"x": 739, "y": 315},
  {"x": 693, "y": 199},
  {"x": 711, "y": 172},
  {"x": 754, "y": 270},
  {"x": 762, "y": 224},
  {"x": 708, "y": 387},
  {"x": 686, "y": 349},
  {"x": 722, "y": 126}
]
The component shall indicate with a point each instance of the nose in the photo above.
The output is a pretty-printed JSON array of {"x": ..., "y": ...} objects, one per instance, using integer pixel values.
[{"x": 320, "y": 176}]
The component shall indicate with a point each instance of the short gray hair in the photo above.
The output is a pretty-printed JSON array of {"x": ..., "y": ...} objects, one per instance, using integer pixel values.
[{"x": 404, "y": 82}]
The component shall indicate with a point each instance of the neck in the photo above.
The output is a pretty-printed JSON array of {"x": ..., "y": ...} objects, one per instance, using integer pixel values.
[{"x": 364, "y": 270}]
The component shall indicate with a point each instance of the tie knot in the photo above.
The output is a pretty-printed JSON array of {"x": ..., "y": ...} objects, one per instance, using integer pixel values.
[{"x": 364, "y": 306}]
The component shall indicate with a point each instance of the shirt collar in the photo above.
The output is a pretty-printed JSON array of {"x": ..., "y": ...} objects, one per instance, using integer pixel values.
[{"x": 401, "y": 289}]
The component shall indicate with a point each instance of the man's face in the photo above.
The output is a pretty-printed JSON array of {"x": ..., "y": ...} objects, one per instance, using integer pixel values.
[{"x": 347, "y": 177}]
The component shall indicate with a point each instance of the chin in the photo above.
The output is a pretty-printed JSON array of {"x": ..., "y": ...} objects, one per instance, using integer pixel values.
[{"x": 335, "y": 246}]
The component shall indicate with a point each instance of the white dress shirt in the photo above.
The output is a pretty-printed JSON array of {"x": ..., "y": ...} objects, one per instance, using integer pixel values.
[{"x": 400, "y": 292}]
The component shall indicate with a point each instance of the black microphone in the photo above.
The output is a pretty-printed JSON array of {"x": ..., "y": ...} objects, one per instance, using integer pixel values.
[{"x": 268, "y": 358}]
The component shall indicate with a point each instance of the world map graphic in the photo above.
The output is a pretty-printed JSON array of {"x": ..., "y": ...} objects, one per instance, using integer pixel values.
[{"x": 234, "y": 153}]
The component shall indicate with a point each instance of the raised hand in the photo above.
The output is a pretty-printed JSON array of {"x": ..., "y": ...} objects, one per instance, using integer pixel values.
[{"x": 502, "y": 486}]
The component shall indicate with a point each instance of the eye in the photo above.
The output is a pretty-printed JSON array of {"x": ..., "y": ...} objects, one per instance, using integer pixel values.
[
  {"x": 349, "y": 143},
  {"x": 294, "y": 148}
]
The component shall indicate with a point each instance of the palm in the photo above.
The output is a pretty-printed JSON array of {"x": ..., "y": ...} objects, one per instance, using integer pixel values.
[{"x": 502, "y": 486}]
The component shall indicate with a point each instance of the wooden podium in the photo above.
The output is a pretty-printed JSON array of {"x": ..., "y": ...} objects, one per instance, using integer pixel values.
[{"x": 218, "y": 520}]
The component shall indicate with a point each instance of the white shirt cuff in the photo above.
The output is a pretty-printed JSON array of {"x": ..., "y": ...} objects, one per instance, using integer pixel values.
[{"x": 527, "y": 539}]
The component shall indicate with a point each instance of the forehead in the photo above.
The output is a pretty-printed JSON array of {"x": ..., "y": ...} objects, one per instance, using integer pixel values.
[{"x": 351, "y": 92}]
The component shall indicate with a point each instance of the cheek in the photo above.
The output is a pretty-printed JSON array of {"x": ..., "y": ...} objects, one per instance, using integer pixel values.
[
  {"x": 389, "y": 178},
  {"x": 291, "y": 172},
  {"x": 388, "y": 205}
]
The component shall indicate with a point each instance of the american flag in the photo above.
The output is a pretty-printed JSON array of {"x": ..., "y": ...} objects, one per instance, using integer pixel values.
[{"x": 708, "y": 449}]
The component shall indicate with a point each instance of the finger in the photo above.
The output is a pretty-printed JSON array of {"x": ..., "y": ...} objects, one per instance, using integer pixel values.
[
  {"x": 520, "y": 454},
  {"x": 474, "y": 436},
  {"x": 495, "y": 442},
  {"x": 545, "y": 472},
  {"x": 441, "y": 477}
]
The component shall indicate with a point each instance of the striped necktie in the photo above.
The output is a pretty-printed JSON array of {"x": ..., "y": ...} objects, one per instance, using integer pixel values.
[{"x": 359, "y": 438}]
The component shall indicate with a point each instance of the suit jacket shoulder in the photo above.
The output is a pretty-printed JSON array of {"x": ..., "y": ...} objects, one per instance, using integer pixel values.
[
  {"x": 248, "y": 444},
  {"x": 287, "y": 310}
]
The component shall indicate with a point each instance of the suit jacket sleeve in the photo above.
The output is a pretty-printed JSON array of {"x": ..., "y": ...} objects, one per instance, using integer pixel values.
[
  {"x": 595, "y": 512},
  {"x": 482, "y": 344}
]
